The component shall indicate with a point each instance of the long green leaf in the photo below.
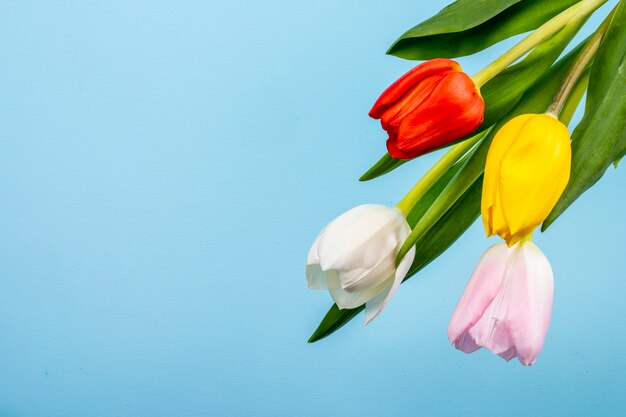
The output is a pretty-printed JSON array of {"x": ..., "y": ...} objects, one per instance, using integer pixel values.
[
  {"x": 600, "y": 138},
  {"x": 384, "y": 165},
  {"x": 333, "y": 321},
  {"x": 503, "y": 92},
  {"x": 454, "y": 32},
  {"x": 466, "y": 207},
  {"x": 461, "y": 15}
]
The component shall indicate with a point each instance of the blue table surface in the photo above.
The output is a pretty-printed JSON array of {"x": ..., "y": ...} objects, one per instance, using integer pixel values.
[{"x": 164, "y": 168}]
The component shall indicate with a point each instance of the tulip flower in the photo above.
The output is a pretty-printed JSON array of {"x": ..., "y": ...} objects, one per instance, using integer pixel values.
[
  {"x": 527, "y": 169},
  {"x": 506, "y": 305},
  {"x": 354, "y": 258},
  {"x": 429, "y": 107}
]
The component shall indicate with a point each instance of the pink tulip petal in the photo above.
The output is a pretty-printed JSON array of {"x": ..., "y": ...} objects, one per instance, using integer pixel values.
[
  {"x": 465, "y": 343},
  {"x": 518, "y": 296},
  {"x": 530, "y": 302},
  {"x": 509, "y": 354},
  {"x": 479, "y": 293}
]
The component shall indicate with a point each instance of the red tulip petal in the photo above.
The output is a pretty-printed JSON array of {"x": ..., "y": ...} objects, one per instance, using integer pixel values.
[
  {"x": 410, "y": 102},
  {"x": 408, "y": 81},
  {"x": 452, "y": 111}
]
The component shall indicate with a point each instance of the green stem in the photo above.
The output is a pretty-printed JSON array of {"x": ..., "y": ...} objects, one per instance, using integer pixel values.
[
  {"x": 546, "y": 30},
  {"x": 435, "y": 172},
  {"x": 582, "y": 62},
  {"x": 574, "y": 99}
]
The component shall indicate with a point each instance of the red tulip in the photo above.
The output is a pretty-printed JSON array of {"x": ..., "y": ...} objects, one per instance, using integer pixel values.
[{"x": 430, "y": 106}]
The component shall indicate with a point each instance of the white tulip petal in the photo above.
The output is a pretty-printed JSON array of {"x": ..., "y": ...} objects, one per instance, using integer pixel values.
[
  {"x": 313, "y": 255},
  {"x": 378, "y": 303},
  {"x": 354, "y": 257},
  {"x": 361, "y": 279},
  {"x": 345, "y": 299},
  {"x": 360, "y": 237},
  {"x": 316, "y": 278}
]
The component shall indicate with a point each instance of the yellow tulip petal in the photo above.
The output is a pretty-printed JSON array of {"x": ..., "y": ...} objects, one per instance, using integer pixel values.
[
  {"x": 526, "y": 170},
  {"x": 491, "y": 211},
  {"x": 531, "y": 174}
]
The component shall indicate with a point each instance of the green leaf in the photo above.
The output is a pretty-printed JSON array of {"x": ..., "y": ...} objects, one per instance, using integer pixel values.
[
  {"x": 384, "y": 165},
  {"x": 333, "y": 321},
  {"x": 466, "y": 208},
  {"x": 459, "y": 184},
  {"x": 427, "y": 200},
  {"x": 504, "y": 91},
  {"x": 461, "y": 15},
  {"x": 448, "y": 228},
  {"x": 468, "y": 26},
  {"x": 600, "y": 138}
]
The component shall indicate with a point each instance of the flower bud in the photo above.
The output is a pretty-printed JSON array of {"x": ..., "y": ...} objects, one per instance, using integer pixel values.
[
  {"x": 506, "y": 305},
  {"x": 527, "y": 169},
  {"x": 431, "y": 106},
  {"x": 354, "y": 258}
]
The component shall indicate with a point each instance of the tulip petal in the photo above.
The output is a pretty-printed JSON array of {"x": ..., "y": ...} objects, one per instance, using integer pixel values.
[
  {"x": 354, "y": 256},
  {"x": 315, "y": 277},
  {"x": 396, "y": 90},
  {"x": 410, "y": 102},
  {"x": 492, "y": 331},
  {"x": 452, "y": 110},
  {"x": 395, "y": 151},
  {"x": 478, "y": 296},
  {"x": 360, "y": 237},
  {"x": 531, "y": 173},
  {"x": 465, "y": 343},
  {"x": 491, "y": 207},
  {"x": 378, "y": 303},
  {"x": 359, "y": 279},
  {"x": 519, "y": 298},
  {"x": 345, "y": 299},
  {"x": 508, "y": 354},
  {"x": 529, "y": 302},
  {"x": 516, "y": 322}
]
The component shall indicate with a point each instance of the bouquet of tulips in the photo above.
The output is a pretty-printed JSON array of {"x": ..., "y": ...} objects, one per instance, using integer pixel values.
[{"x": 511, "y": 160}]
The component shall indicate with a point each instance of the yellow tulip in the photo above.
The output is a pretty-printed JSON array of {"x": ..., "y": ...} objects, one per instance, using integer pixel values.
[{"x": 527, "y": 169}]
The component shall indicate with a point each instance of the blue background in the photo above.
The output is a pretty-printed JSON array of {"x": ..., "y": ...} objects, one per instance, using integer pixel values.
[{"x": 164, "y": 168}]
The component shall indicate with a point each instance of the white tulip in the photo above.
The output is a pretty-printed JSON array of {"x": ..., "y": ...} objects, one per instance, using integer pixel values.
[{"x": 354, "y": 258}]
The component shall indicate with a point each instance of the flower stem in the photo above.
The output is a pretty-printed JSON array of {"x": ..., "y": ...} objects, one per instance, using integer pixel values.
[
  {"x": 435, "y": 172},
  {"x": 572, "y": 102},
  {"x": 582, "y": 61},
  {"x": 526, "y": 238},
  {"x": 542, "y": 33}
]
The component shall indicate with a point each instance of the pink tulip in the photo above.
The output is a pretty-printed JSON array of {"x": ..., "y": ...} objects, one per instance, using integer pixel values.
[{"x": 506, "y": 305}]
